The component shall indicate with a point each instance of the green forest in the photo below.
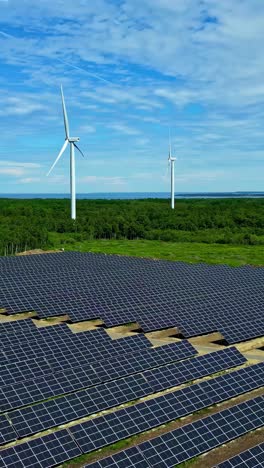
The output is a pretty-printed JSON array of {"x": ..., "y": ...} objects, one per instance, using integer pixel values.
[{"x": 29, "y": 224}]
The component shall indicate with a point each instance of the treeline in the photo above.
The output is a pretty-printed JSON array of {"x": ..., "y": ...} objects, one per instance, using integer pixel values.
[{"x": 27, "y": 224}]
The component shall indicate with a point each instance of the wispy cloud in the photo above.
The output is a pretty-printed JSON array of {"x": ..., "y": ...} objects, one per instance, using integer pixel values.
[
  {"x": 87, "y": 129},
  {"x": 196, "y": 66},
  {"x": 123, "y": 128}
]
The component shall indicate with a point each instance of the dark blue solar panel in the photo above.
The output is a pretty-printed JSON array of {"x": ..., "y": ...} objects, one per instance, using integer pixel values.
[
  {"x": 48, "y": 451},
  {"x": 7, "y": 432},
  {"x": 102, "y": 431},
  {"x": 194, "y": 439},
  {"x": 61, "y": 410},
  {"x": 191, "y": 369},
  {"x": 236, "y": 332},
  {"x": 251, "y": 458},
  {"x": 30, "y": 391},
  {"x": 130, "y": 458},
  {"x": 146, "y": 359}
]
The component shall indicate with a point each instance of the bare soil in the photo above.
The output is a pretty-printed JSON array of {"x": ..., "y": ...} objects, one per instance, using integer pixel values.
[{"x": 36, "y": 252}]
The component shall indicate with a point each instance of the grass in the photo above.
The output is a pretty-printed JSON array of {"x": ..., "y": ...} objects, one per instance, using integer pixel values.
[{"x": 233, "y": 255}]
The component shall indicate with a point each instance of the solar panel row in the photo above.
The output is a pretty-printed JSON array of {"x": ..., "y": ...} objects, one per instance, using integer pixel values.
[
  {"x": 108, "y": 429},
  {"x": 53, "y": 413},
  {"x": 56, "y": 412},
  {"x": 178, "y": 373},
  {"x": 191, "y": 440},
  {"x": 171, "y": 406},
  {"x": 251, "y": 458},
  {"x": 40, "y": 335},
  {"x": 95, "y": 373},
  {"x": 82, "y": 346},
  {"x": 65, "y": 357},
  {"x": 205, "y": 434},
  {"x": 27, "y": 392},
  {"x": 164, "y": 451},
  {"x": 45, "y": 452}
]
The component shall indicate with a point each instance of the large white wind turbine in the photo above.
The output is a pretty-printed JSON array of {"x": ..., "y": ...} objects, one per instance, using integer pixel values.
[
  {"x": 72, "y": 141},
  {"x": 171, "y": 161}
]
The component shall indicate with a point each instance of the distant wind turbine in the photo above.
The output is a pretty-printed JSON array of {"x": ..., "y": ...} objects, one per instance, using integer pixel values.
[
  {"x": 171, "y": 161},
  {"x": 72, "y": 141}
]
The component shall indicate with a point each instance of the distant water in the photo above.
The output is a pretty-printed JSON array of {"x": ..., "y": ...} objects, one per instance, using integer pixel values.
[{"x": 136, "y": 195}]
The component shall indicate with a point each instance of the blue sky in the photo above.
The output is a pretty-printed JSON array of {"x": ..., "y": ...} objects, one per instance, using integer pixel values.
[{"x": 196, "y": 66}]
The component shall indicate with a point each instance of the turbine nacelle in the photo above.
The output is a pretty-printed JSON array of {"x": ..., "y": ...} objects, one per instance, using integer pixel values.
[{"x": 72, "y": 139}]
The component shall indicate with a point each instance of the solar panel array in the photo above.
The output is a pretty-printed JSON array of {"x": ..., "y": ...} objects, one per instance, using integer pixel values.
[
  {"x": 127, "y": 422},
  {"x": 51, "y": 413},
  {"x": 251, "y": 458},
  {"x": 205, "y": 434},
  {"x": 157, "y": 294},
  {"x": 15, "y": 394},
  {"x": 164, "y": 451},
  {"x": 50, "y": 376},
  {"x": 191, "y": 440}
]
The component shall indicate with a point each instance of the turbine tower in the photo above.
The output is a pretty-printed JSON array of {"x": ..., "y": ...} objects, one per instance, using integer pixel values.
[
  {"x": 72, "y": 142},
  {"x": 171, "y": 162}
]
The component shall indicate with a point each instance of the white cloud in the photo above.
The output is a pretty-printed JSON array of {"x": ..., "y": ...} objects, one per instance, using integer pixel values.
[
  {"x": 87, "y": 129},
  {"x": 123, "y": 128},
  {"x": 15, "y": 105},
  {"x": 11, "y": 171},
  {"x": 17, "y": 168},
  {"x": 30, "y": 180},
  {"x": 21, "y": 164},
  {"x": 163, "y": 58}
]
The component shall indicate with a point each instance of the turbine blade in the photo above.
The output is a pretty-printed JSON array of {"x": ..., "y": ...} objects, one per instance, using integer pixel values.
[
  {"x": 77, "y": 147},
  {"x": 169, "y": 143},
  {"x": 65, "y": 116},
  {"x": 59, "y": 156}
]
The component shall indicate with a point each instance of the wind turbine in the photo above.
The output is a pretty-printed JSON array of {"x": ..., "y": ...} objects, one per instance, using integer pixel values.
[
  {"x": 171, "y": 161},
  {"x": 72, "y": 142}
]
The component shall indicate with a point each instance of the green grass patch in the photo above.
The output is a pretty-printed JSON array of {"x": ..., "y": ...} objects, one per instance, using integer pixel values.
[{"x": 233, "y": 255}]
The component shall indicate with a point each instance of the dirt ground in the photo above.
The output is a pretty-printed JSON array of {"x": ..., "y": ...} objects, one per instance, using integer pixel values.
[{"x": 37, "y": 252}]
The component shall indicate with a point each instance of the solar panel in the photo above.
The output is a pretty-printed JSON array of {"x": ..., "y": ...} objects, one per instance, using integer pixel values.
[
  {"x": 130, "y": 458},
  {"x": 251, "y": 458},
  {"x": 26, "y": 370},
  {"x": 110, "y": 428},
  {"x": 205, "y": 434},
  {"x": 73, "y": 354},
  {"x": 16, "y": 326},
  {"x": 107, "y": 369},
  {"x": 191, "y": 369},
  {"x": 61, "y": 410},
  {"x": 146, "y": 359},
  {"x": 45, "y": 345},
  {"x": 31, "y": 391},
  {"x": 235, "y": 332},
  {"x": 45, "y": 452},
  {"x": 234, "y": 383},
  {"x": 7, "y": 432},
  {"x": 40, "y": 334},
  {"x": 177, "y": 404}
]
